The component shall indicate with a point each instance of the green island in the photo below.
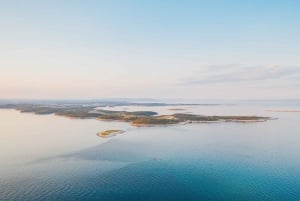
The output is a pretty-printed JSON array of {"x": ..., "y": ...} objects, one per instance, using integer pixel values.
[
  {"x": 137, "y": 118},
  {"x": 109, "y": 133}
]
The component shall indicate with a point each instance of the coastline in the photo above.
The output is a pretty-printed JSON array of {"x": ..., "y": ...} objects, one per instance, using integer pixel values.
[
  {"x": 136, "y": 118},
  {"x": 200, "y": 122},
  {"x": 275, "y": 110}
]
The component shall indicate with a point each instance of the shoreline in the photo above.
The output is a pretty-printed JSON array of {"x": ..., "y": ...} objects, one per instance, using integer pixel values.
[{"x": 200, "y": 122}]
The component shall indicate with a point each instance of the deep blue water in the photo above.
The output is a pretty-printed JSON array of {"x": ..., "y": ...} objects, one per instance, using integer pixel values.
[
  {"x": 165, "y": 180},
  {"x": 209, "y": 162}
]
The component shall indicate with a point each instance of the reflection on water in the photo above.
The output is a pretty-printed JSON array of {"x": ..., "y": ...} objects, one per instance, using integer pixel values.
[{"x": 55, "y": 158}]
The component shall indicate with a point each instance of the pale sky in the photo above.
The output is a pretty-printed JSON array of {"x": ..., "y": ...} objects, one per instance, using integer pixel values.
[{"x": 225, "y": 49}]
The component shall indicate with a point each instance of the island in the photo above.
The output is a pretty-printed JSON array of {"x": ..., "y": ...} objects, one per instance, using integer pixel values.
[
  {"x": 136, "y": 118},
  {"x": 177, "y": 109},
  {"x": 109, "y": 133},
  {"x": 283, "y": 110}
]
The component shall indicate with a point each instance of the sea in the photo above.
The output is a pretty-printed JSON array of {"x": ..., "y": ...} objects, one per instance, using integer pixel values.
[{"x": 53, "y": 158}]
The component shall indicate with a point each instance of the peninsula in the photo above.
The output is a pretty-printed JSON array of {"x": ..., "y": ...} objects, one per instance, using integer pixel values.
[{"x": 136, "y": 118}]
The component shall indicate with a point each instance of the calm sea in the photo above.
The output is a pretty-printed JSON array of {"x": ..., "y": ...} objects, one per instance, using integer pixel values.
[{"x": 47, "y": 157}]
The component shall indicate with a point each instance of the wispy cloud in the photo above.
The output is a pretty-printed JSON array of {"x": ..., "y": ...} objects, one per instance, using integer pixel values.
[{"x": 238, "y": 73}]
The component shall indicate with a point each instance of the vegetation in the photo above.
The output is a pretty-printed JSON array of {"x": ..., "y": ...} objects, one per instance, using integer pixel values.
[
  {"x": 143, "y": 121},
  {"x": 192, "y": 117},
  {"x": 109, "y": 133}
]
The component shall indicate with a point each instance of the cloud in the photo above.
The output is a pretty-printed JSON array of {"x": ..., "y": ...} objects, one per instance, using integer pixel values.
[{"x": 237, "y": 73}]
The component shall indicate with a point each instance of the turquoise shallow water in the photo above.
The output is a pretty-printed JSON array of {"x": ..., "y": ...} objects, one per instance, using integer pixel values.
[{"x": 232, "y": 161}]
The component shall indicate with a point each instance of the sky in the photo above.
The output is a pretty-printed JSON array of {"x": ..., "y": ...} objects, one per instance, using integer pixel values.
[{"x": 213, "y": 49}]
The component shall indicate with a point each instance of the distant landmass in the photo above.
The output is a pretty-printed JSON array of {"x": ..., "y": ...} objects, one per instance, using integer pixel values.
[{"x": 86, "y": 110}]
